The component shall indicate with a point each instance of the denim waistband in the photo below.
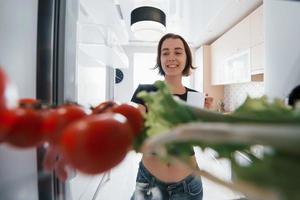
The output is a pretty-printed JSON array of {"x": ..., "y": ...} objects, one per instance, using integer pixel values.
[{"x": 173, "y": 185}]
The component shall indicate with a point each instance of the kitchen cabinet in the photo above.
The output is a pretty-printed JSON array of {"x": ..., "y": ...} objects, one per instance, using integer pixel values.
[
  {"x": 257, "y": 41},
  {"x": 235, "y": 42},
  {"x": 237, "y": 68},
  {"x": 256, "y": 27},
  {"x": 238, "y": 37},
  {"x": 239, "y": 52},
  {"x": 257, "y": 59}
]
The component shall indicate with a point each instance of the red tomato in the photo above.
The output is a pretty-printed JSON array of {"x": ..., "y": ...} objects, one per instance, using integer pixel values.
[
  {"x": 97, "y": 143},
  {"x": 3, "y": 86},
  {"x": 103, "y": 107},
  {"x": 6, "y": 122},
  {"x": 25, "y": 130},
  {"x": 133, "y": 114},
  {"x": 55, "y": 120},
  {"x": 2, "y": 134},
  {"x": 30, "y": 103}
]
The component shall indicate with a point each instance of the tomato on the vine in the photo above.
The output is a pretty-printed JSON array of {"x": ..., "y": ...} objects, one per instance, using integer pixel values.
[
  {"x": 55, "y": 120},
  {"x": 129, "y": 110},
  {"x": 96, "y": 143},
  {"x": 105, "y": 106},
  {"x": 133, "y": 114},
  {"x": 25, "y": 127},
  {"x": 6, "y": 122},
  {"x": 29, "y": 103}
]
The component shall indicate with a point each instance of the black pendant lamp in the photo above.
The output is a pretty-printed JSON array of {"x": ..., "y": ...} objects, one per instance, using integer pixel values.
[{"x": 148, "y": 23}]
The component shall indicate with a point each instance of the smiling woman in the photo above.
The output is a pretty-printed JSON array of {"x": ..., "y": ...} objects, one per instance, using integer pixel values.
[
  {"x": 157, "y": 179},
  {"x": 173, "y": 46}
]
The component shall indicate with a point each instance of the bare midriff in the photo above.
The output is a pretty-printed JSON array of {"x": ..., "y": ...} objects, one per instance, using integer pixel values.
[{"x": 167, "y": 172}]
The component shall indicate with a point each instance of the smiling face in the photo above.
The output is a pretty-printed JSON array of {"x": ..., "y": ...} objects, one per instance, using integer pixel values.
[{"x": 173, "y": 57}]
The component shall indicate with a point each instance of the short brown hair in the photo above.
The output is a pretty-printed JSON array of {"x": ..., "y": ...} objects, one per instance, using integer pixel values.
[
  {"x": 188, "y": 64},
  {"x": 294, "y": 96}
]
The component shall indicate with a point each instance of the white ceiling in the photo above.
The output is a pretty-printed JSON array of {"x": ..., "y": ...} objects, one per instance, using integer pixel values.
[{"x": 198, "y": 21}]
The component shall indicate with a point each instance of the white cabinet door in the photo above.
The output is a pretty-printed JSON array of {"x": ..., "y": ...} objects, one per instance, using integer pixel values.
[
  {"x": 256, "y": 27},
  {"x": 237, "y": 68},
  {"x": 239, "y": 37},
  {"x": 247, "y": 34},
  {"x": 257, "y": 59},
  {"x": 231, "y": 44},
  {"x": 257, "y": 41}
]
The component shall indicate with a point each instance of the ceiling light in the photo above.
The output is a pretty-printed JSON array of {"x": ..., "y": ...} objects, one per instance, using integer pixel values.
[{"x": 148, "y": 23}]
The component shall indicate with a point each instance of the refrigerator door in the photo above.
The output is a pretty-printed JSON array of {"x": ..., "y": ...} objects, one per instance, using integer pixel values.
[{"x": 18, "y": 31}]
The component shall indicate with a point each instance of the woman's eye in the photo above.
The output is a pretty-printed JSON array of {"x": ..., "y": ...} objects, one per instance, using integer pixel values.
[{"x": 165, "y": 53}]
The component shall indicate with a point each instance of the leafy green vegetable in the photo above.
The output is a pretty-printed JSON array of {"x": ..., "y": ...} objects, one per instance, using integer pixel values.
[
  {"x": 263, "y": 111},
  {"x": 279, "y": 170},
  {"x": 165, "y": 112}
]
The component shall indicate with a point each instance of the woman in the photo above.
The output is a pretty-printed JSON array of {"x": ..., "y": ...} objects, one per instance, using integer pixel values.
[
  {"x": 294, "y": 96},
  {"x": 156, "y": 179}
]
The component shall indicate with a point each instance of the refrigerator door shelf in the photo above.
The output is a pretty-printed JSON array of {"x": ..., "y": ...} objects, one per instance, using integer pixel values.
[{"x": 101, "y": 55}]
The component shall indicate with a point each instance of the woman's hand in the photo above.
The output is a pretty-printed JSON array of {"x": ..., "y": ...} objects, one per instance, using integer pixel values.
[
  {"x": 53, "y": 160},
  {"x": 142, "y": 108},
  {"x": 208, "y": 103}
]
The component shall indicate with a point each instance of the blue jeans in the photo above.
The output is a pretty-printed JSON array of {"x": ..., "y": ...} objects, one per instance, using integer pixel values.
[{"x": 150, "y": 188}]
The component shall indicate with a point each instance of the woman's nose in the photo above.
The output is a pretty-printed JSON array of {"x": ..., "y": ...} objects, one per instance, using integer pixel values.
[{"x": 171, "y": 58}]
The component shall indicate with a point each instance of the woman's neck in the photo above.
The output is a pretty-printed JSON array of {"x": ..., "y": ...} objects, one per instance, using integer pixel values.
[{"x": 175, "y": 84}]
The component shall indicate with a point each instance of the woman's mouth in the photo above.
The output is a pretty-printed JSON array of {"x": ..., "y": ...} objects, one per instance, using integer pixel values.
[{"x": 172, "y": 66}]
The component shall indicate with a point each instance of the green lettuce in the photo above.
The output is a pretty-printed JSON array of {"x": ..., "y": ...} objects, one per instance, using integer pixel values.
[
  {"x": 278, "y": 170},
  {"x": 165, "y": 112}
]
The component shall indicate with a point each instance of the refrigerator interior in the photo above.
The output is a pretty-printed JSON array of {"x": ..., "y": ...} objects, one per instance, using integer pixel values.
[{"x": 83, "y": 55}]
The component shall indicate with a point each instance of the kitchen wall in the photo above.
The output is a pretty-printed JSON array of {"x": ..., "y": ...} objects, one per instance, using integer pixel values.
[
  {"x": 235, "y": 94},
  {"x": 215, "y": 91}
]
